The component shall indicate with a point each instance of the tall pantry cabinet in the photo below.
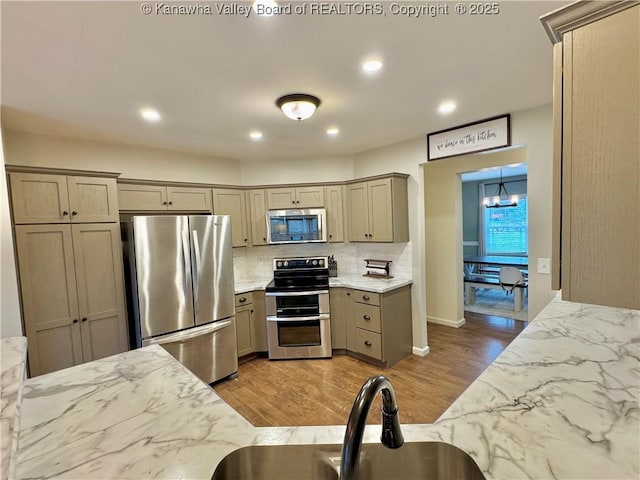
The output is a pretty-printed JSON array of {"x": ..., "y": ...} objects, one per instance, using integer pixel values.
[
  {"x": 69, "y": 255},
  {"x": 596, "y": 246}
]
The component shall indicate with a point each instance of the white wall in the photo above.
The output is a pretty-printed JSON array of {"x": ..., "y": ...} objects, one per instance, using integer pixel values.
[
  {"x": 308, "y": 170},
  {"x": 10, "y": 318},
  {"x": 132, "y": 162},
  {"x": 406, "y": 158}
]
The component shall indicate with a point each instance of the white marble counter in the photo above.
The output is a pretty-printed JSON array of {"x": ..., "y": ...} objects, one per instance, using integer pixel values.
[
  {"x": 562, "y": 401},
  {"x": 250, "y": 285},
  {"x": 13, "y": 361},
  {"x": 371, "y": 284}
]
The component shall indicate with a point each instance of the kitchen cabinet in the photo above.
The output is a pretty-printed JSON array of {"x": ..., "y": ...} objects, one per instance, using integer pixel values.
[
  {"x": 232, "y": 202},
  {"x": 378, "y": 210},
  {"x": 378, "y": 325},
  {"x": 596, "y": 237},
  {"x": 298, "y": 197},
  {"x": 144, "y": 197},
  {"x": 335, "y": 217},
  {"x": 338, "y": 308},
  {"x": 251, "y": 329},
  {"x": 258, "y": 217},
  {"x": 71, "y": 283},
  {"x": 48, "y": 198}
]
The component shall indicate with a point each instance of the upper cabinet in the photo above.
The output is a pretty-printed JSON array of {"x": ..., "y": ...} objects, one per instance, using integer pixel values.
[
  {"x": 299, "y": 197},
  {"x": 335, "y": 217},
  {"x": 143, "y": 197},
  {"x": 378, "y": 210},
  {"x": 45, "y": 198},
  {"x": 596, "y": 165},
  {"x": 258, "y": 216},
  {"x": 228, "y": 201}
]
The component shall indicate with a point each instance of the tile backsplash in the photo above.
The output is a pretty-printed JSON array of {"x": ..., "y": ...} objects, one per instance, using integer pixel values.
[{"x": 252, "y": 263}]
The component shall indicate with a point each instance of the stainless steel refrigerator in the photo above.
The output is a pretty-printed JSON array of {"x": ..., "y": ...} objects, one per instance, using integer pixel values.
[{"x": 181, "y": 291}]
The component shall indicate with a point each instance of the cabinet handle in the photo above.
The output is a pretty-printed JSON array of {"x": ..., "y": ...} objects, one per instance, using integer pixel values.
[
  {"x": 75, "y": 320},
  {"x": 348, "y": 294},
  {"x": 170, "y": 203},
  {"x": 251, "y": 311},
  {"x": 367, "y": 317},
  {"x": 264, "y": 239},
  {"x": 366, "y": 235},
  {"x": 245, "y": 240},
  {"x": 84, "y": 319},
  {"x": 242, "y": 300},
  {"x": 365, "y": 297},
  {"x": 330, "y": 236},
  {"x": 164, "y": 203},
  {"x": 65, "y": 213},
  {"x": 293, "y": 201},
  {"x": 367, "y": 343},
  {"x": 74, "y": 213},
  {"x": 297, "y": 201}
]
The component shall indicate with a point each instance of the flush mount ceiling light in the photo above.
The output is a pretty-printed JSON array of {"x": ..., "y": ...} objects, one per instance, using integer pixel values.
[
  {"x": 501, "y": 198},
  {"x": 446, "y": 107},
  {"x": 371, "y": 66},
  {"x": 255, "y": 135},
  {"x": 298, "y": 106}
]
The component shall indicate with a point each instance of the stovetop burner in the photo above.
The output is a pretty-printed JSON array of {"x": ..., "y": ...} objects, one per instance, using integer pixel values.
[{"x": 299, "y": 274}]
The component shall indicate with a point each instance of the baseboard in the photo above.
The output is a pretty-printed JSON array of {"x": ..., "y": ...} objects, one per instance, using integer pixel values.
[
  {"x": 422, "y": 352},
  {"x": 448, "y": 323}
]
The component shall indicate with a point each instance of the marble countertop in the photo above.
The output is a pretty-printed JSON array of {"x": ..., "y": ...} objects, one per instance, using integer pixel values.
[
  {"x": 377, "y": 285},
  {"x": 562, "y": 401},
  {"x": 13, "y": 361}
]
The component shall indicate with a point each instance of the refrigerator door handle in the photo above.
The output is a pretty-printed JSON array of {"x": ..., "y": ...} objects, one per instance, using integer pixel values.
[
  {"x": 197, "y": 263},
  {"x": 189, "y": 334},
  {"x": 185, "y": 260}
]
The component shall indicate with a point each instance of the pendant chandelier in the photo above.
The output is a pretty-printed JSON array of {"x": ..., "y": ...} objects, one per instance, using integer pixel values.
[{"x": 501, "y": 199}]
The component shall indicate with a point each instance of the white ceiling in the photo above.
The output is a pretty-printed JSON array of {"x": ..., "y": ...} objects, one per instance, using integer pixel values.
[
  {"x": 493, "y": 173},
  {"x": 84, "y": 69}
]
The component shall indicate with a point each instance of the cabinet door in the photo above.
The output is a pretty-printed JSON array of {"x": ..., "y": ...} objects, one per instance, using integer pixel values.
[
  {"x": 49, "y": 300},
  {"x": 259, "y": 322},
  {"x": 232, "y": 202},
  {"x": 142, "y": 197},
  {"x": 189, "y": 199},
  {"x": 601, "y": 169},
  {"x": 310, "y": 197},
  {"x": 244, "y": 331},
  {"x": 258, "y": 215},
  {"x": 335, "y": 219},
  {"x": 350, "y": 324},
  {"x": 338, "y": 300},
  {"x": 380, "y": 211},
  {"x": 279, "y": 198},
  {"x": 39, "y": 198},
  {"x": 98, "y": 265},
  {"x": 93, "y": 199},
  {"x": 358, "y": 212}
]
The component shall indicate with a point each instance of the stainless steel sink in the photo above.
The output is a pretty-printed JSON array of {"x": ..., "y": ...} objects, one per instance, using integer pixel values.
[{"x": 414, "y": 460}]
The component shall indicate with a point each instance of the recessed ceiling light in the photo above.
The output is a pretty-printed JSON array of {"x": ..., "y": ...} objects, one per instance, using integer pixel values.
[
  {"x": 446, "y": 107},
  {"x": 371, "y": 66},
  {"x": 332, "y": 131},
  {"x": 150, "y": 115},
  {"x": 265, "y": 8},
  {"x": 255, "y": 135}
]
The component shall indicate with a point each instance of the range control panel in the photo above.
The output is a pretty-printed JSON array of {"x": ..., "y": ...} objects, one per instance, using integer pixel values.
[{"x": 298, "y": 263}]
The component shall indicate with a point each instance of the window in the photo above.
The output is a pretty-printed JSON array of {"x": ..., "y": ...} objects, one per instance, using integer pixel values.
[{"x": 506, "y": 230}]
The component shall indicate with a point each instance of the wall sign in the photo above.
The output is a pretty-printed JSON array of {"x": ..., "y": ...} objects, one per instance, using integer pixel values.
[{"x": 473, "y": 137}]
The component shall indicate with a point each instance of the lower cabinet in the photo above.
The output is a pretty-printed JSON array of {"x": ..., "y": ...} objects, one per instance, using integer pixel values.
[
  {"x": 338, "y": 308},
  {"x": 251, "y": 329},
  {"x": 71, "y": 284},
  {"x": 378, "y": 325}
]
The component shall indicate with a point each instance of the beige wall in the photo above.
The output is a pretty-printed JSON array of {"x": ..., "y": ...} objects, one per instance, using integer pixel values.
[
  {"x": 532, "y": 130},
  {"x": 308, "y": 170},
  {"x": 406, "y": 158},
  {"x": 131, "y": 161},
  {"x": 10, "y": 318}
]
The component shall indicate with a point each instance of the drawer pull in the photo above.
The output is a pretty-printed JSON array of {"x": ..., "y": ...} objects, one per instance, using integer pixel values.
[
  {"x": 367, "y": 343},
  {"x": 242, "y": 300},
  {"x": 366, "y": 317},
  {"x": 366, "y": 297}
]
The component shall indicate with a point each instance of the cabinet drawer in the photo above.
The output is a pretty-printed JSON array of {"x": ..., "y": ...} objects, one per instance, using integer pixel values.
[
  {"x": 366, "y": 297},
  {"x": 367, "y": 317},
  {"x": 244, "y": 299},
  {"x": 369, "y": 343}
]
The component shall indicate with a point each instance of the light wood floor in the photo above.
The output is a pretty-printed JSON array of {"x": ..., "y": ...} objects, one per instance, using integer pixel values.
[{"x": 321, "y": 391}]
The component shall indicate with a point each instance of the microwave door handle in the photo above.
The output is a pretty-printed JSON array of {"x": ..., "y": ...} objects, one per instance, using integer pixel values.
[{"x": 197, "y": 264}]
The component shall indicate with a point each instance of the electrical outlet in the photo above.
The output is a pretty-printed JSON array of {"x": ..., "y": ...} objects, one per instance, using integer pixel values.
[{"x": 544, "y": 265}]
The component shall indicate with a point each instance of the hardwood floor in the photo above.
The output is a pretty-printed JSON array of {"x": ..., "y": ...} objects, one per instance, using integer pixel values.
[{"x": 321, "y": 391}]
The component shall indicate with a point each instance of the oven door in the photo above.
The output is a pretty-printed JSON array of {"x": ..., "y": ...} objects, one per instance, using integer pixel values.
[
  {"x": 294, "y": 304},
  {"x": 302, "y": 337}
]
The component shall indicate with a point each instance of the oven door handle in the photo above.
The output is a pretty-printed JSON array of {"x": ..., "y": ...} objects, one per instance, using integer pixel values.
[
  {"x": 295, "y": 294},
  {"x": 324, "y": 316}
]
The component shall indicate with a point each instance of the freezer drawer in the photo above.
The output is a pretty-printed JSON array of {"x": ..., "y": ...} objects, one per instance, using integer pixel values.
[{"x": 209, "y": 351}]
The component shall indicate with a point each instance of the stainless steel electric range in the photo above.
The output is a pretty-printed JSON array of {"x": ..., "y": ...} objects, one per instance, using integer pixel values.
[{"x": 297, "y": 304}]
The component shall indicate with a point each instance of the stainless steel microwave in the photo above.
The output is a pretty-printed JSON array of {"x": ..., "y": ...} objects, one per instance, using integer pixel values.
[{"x": 296, "y": 226}]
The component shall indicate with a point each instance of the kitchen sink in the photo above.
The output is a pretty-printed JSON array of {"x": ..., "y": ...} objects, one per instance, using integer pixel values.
[{"x": 414, "y": 460}]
